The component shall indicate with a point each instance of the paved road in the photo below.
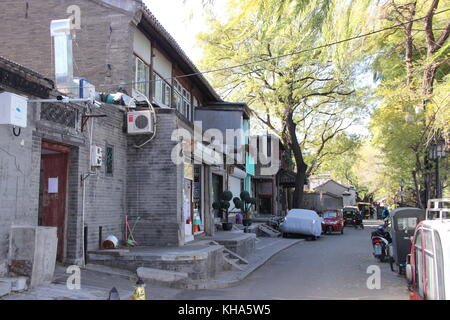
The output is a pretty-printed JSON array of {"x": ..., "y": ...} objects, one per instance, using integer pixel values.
[{"x": 333, "y": 267}]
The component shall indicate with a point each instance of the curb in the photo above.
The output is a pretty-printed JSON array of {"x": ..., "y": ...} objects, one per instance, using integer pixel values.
[{"x": 221, "y": 284}]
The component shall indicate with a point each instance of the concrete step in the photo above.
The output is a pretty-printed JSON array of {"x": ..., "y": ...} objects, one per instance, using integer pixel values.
[
  {"x": 269, "y": 231},
  {"x": 126, "y": 274},
  {"x": 231, "y": 264},
  {"x": 161, "y": 275},
  {"x": 233, "y": 255},
  {"x": 5, "y": 288},
  {"x": 16, "y": 283}
]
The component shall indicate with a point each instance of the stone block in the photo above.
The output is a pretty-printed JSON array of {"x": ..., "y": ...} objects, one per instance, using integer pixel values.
[
  {"x": 32, "y": 253},
  {"x": 5, "y": 287},
  {"x": 16, "y": 283},
  {"x": 161, "y": 275}
]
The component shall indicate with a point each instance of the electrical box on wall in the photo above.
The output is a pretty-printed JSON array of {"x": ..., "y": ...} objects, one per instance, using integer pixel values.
[
  {"x": 96, "y": 156},
  {"x": 13, "y": 109}
]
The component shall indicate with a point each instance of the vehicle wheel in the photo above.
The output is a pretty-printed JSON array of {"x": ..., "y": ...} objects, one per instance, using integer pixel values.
[
  {"x": 391, "y": 262},
  {"x": 313, "y": 238},
  {"x": 362, "y": 226},
  {"x": 400, "y": 270},
  {"x": 284, "y": 235}
]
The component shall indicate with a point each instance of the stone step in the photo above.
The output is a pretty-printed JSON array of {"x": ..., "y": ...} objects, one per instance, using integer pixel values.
[
  {"x": 126, "y": 274},
  {"x": 269, "y": 231},
  {"x": 234, "y": 255},
  {"x": 231, "y": 263},
  {"x": 5, "y": 288},
  {"x": 16, "y": 283},
  {"x": 161, "y": 275}
]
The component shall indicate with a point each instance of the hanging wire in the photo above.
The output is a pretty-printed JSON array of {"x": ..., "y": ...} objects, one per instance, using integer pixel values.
[{"x": 368, "y": 34}]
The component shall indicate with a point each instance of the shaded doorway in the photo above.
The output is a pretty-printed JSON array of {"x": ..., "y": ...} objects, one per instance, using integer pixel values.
[
  {"x": 217, "y": 189},
  {"x": 53, "y": 191}
]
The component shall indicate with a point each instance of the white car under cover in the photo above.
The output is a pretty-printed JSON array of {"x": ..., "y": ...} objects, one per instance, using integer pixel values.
[{"x": 302, "y": 221}]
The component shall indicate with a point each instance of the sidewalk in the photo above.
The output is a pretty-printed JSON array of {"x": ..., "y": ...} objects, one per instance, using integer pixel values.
[
  {"x": 97, "y": 281},
  {"x": 265, "y": 249}
]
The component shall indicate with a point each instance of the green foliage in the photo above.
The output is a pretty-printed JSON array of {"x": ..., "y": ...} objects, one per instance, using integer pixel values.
[
  {"x": 401, "y": 127},
  {"x": 245, "y": 196},
  {"x": 308, "y": 87},
  {"x": 223, "y": 205},
  {"x": 226, "y": 195},
  {"x": 244, "y": 203}
]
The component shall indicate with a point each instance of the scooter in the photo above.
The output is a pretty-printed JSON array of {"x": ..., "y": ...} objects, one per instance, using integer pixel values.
[
  {"x": 357, "y": 223},
  {"x": 380, "y": 241}
]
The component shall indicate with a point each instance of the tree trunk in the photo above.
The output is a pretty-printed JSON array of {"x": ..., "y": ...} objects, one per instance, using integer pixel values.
[
  {"x": 417, "y": 188},
  {"x": 300, "y": 176}
]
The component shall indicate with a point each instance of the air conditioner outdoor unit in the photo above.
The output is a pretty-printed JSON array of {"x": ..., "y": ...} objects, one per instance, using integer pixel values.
[{"x": 140, "y": 122}]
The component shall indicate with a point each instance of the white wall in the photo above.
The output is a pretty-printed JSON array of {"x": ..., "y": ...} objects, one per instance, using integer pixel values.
[
  {"x": 234, "y": 185},
  {"x": 161, "y": 65},
  {"x": 142, "y": 46}
]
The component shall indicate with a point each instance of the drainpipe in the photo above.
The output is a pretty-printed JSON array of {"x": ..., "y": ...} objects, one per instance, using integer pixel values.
[{"x": 83, "y": 186}]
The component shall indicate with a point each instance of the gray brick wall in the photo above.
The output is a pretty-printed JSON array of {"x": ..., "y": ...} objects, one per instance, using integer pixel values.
[
  {"x": 145, "y": 182},
  {"x": 102, "y": 49},
  {"x": 154, "y": 187},
  {"x": 19, "y": 180},
  {"x": 103, "y": 54},
  {"x": 20, "y": 159}
]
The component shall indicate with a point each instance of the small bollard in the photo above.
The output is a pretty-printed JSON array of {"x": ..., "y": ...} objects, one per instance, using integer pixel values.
[
  {"x": 114, "y": 294},
  {"x": 139, "y": 290}
]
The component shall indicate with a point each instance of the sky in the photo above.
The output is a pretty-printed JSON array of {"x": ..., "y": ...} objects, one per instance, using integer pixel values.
[{"x": 184, "y": 19}]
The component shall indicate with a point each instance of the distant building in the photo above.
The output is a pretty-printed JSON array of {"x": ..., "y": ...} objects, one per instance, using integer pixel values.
[{"x": 348, "y": 193}]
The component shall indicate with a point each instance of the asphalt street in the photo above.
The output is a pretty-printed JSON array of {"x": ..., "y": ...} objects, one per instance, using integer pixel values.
[{"x": 333, "y": 267}]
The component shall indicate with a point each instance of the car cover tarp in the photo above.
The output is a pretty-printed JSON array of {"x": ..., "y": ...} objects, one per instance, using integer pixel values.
[{"x": 303, "y": 221}]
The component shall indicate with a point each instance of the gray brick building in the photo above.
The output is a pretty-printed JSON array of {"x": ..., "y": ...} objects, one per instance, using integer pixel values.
[
  {"x": 22, "y": 163},
  {"x": 118, "y": 45}
]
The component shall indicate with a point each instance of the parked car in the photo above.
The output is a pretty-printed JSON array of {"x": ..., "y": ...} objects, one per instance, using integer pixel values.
[
  {"x": 428, "y": 264},
  {"x": 403, "y": 224},
  {"x": 302, "y": 221},
  {"x": 349, "y": 214},
  {"x": 428, "y": 270},
  {"x": 333, "y": 221}
]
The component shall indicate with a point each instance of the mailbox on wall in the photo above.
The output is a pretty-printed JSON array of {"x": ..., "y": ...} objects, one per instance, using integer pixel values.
[{"x": 13, "y": 109}]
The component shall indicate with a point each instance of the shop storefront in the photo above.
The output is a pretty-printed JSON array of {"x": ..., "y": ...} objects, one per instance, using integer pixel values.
[
  {"x": 193, "y": 200},
  {"x": 188, "y": 201}
]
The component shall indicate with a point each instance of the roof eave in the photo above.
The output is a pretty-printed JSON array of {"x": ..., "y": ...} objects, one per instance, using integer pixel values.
[{"x": 178, "y": 53}]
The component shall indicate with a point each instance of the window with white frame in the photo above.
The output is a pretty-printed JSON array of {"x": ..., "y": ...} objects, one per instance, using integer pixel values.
[
  {"x": 161, "y": 90},
  {"x": 142, "y": 74},
  {"x": 182, "y": 100}
]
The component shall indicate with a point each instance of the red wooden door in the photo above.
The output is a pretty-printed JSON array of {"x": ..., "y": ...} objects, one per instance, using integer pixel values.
[{"x": 54, "y": 195}]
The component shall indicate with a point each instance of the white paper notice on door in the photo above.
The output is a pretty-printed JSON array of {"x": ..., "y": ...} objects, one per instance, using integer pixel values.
[{"x": 53, "y": 185}]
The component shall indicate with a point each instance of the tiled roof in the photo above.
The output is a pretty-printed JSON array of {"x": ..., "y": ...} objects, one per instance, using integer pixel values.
[{"x": 19, "y": 68}]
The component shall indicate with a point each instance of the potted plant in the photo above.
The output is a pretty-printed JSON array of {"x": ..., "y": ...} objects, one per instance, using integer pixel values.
[
  {"x": 245, "y": 203},
  {"x": 222, "y": 206}
]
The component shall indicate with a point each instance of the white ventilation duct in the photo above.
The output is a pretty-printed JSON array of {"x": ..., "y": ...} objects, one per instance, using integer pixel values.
[{"x": 62, "y": 33}]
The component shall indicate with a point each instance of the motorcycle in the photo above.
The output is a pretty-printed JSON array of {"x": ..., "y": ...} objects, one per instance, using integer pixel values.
[
  {"x": 381, "y": 240},
  {"x": 357, "y": 223}
]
